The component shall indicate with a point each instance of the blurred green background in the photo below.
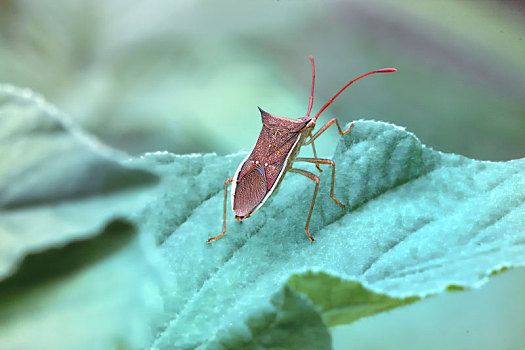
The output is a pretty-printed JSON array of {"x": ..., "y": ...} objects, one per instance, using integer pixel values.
[{"x": 187, "y": 76}]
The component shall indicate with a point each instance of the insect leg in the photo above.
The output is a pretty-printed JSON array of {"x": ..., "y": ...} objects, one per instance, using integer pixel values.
[
  {"x": 323, "y": 161},
  {"x": 326, "y": 126},
  {"x": 230, "y": 179},
  {"x": 316, "y": 179},
  {"x": 315, "y": 154}
]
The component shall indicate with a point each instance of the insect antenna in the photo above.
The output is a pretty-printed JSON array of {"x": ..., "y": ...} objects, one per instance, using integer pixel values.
[
  {"x": 313, "y": 83},
  {"x": 384, "y": 70}
]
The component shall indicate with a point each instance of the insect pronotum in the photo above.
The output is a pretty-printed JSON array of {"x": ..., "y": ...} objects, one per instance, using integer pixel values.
[{"x": 273, "y": 155}]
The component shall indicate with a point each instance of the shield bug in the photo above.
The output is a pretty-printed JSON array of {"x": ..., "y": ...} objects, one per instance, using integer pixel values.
[{"x": 273, "y": 155}]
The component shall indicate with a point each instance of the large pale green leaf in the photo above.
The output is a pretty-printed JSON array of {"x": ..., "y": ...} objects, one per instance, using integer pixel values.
[
  {"x": 65, "y": 234},
  {"x": 417, "y": 221}
]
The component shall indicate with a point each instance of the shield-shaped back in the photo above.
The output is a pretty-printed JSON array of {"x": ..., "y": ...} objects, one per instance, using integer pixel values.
[{"x": 256, "y": 176}]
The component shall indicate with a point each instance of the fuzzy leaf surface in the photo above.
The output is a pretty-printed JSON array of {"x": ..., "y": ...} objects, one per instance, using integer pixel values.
[{"x": 416, "y": 222}]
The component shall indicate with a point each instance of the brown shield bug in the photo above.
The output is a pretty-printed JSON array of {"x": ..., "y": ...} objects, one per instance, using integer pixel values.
[{"x": 273, "y": 155}]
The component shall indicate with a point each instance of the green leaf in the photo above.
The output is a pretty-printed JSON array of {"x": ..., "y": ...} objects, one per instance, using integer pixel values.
[
  {"x": 290, "y": 323},
  {"x": 80, "y": 296},
  {"x": 341, "y": 301},
  {"x": 417, "y": 221},
  {"x": 66, "y": 236},
  {"x": 56, "y": 184}
]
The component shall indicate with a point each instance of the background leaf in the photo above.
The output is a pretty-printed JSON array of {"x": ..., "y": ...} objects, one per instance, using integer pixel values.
[{"x": 66, "y": 236}]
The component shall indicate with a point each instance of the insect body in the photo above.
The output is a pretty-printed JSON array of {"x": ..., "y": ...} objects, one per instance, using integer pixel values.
[{"x": 273, "y": 155}]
